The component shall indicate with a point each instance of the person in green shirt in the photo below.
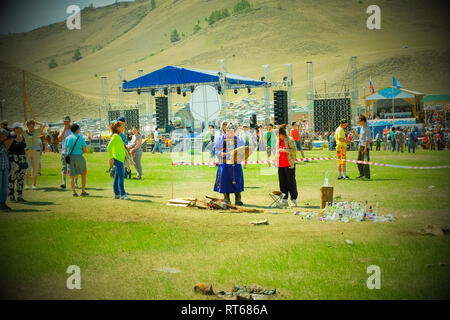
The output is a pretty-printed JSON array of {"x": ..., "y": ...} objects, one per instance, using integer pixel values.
[
  {"x": 116, "y": 153},
  {"x": 269, "y": 141}
]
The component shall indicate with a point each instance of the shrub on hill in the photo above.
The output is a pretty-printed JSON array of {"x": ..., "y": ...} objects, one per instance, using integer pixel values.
[
  {"x": 242, "y": 6},
  {"x": 52, "y": 64}
]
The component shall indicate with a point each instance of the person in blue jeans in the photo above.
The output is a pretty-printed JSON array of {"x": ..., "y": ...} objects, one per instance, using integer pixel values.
[
  {"x": 157, "y": 144},
  {"x": 116, "y": 153},
  {"x": 412, "y": 135},
  {"x": 4, "y": 169},
  {"x": 392, "y": 134}
]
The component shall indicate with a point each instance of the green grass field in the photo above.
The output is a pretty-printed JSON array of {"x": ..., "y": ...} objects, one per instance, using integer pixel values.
[{"x": 117, "y": 243}]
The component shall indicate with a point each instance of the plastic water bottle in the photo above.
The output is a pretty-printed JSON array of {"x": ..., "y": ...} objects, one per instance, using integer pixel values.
[{"x": 325, "y": 181}]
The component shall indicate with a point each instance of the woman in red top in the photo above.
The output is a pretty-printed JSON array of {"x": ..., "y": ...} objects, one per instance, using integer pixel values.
[{"x": 286, "y": 167}]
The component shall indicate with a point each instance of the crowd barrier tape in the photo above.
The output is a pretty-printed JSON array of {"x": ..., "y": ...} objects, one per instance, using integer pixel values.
[{"x": 315, "y": 159}]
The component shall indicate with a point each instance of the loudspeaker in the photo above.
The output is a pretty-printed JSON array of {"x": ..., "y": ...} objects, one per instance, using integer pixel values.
[
  {"x": 280, "y": 108},
  {"x": 132, "y": 119},
  {"x": 329, "y": 112},
  {"x": 113, "y": 115},
  {"x": 162, "y": 111}
]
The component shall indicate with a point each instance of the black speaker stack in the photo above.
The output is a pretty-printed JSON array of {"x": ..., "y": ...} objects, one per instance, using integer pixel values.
[
  {"x": 253, "y": 121},
  {"x": 329, "y": 112},
  {"x": 131, "y": 117},
  {"x": 280, "y": 108},
  {"x": 162, "y": 112},
  {"x": 113, "y": 115}
]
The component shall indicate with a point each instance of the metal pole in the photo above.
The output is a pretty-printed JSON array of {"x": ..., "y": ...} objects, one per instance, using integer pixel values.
[
  {"x": 267, "y": 93},
  {"x": 289, "y": 67},
  {"x": 120, "y": 89}
]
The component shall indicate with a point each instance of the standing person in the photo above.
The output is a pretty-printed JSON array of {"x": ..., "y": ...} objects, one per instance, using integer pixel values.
[
  {"x": 285, "y": 161},
  {"x": 4, "y": 169},
  {"x": 399, "y": 139},
  {"x": 363, "y": 152},
  {"x": 378, "y": 141},
  {"x": 412, "y": 137},
  {"x": 116, "y": 153},
  {"x": 269, "y": 139},
  {"x": 209, "y": 143},
  {"x": 385, "y": 141},
  {"x": 136, "y": 151},
  {"x": 295, "y": 134},
  {"x": 33, "y": 150},
  {"x": 75, "y": 146},
  {"x": 392, "y": 135},
  {"x": 341, "y": 149},
  {"x": 157, "y": 142},
  {"x": 229, "y": 177},
  {"x": 245, "y": 136},
  {"x": 64, "y": 132},
  {"x": 4, "y": 125},
  {"x": 18, "y": 163}
]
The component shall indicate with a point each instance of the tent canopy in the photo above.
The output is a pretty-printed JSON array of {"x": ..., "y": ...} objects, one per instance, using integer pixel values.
[
  {"x": 389, "y": 93},
  {"x": 184, "y": 77}
]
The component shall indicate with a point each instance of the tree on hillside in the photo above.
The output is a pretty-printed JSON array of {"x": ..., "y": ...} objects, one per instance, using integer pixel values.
[
  {"x": 76, "y": 55},
  {"x": 242, "y": 6},
  {"x": 153, "y": 4},
  {"x": 174, "y": 36},
  {"x": 52, "y": 64},
  {"x": 197, "y": 28}
]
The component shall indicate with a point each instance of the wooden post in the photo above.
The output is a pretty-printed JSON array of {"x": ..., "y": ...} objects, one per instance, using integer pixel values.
[
  {"x": 24, "y": 97},
  {"x": 172, "y": 178},
  {"x": 326, "y": 195}
]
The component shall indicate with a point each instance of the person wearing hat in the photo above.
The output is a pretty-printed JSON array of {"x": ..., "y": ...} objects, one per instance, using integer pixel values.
[
  {"x": 4, "y": 168},
  {"x": 4, "y": 125},
  {"x": 122, "y": 134},
  {"x": 63, "y": 134},
  {"x": 245, "y": 135},
  {"x": 18, "y": 162},
  {"x": 229, "y": 177},
  {"x": 341, "y": 149},
  {"x": 33, "y": 150}
]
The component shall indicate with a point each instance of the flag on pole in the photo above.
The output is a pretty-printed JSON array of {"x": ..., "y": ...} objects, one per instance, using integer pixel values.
[
  {"x": 371, "y": 88},
  {"x": 395, "y": 83}
]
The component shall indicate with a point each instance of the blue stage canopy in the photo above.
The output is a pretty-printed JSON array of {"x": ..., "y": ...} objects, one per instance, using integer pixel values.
[{"x": 175, "y": 76}]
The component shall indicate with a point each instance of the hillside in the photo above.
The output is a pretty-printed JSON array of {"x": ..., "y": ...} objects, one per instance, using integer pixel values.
[
  {"x": 50, "y": 101},
  {"x": 275, "y": 32}
]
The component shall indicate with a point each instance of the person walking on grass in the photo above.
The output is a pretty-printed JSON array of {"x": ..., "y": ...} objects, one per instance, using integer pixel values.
[
  {"x": 341, "y": 149},
  {"x": 136, "y": 151},
  {"x": 4, "y": 168},
  {"x": 363, "y": 152},
  {"x": 64, "y": 133},
  {"x": 392, "y": 135},
  {"x": 399, "y": 139},
  {"x": 378, "y": 141},
  {"x": 18, "y": 162},
  {"x": 269, "y": 139},
  {"x": 295, "y": 134},
  {"x": 157, "y": 142},
  {"x": 412, "y": 140},
  {"x": 75, "y": 146},
  {"x": 285, "y": 161},
  {"x": 116, "y": 153},
  {"x": 33, "y": 150}
]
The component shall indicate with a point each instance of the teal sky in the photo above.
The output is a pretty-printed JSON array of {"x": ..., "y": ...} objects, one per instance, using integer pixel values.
[{"x": 25, "y": 15}]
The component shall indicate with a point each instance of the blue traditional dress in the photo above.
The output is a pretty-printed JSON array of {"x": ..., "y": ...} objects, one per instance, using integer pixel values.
[{"x": 230, "y": 177}]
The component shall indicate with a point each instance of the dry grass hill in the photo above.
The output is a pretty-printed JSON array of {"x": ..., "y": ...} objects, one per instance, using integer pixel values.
[
  {"x": 274, "y": 32},
  {"x": 50, "y": 101}
]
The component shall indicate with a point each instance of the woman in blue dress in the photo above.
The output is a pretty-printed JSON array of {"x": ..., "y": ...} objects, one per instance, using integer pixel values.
[{"x": 230, "y": 177}]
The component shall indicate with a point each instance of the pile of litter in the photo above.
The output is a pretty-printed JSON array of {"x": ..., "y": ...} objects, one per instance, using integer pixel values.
[
  {"x": 210, "y": 202},
  {"x": 348, "y": 211},
  {"x": 239, "y": 292}
]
